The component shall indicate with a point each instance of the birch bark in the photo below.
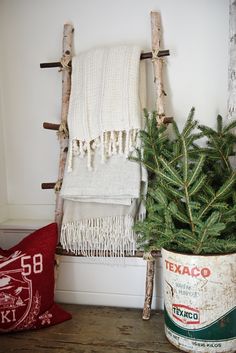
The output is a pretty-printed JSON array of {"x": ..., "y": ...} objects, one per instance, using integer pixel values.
[
  {"x": 160, "y": 94},
  {"x": 63, "y": 139}
]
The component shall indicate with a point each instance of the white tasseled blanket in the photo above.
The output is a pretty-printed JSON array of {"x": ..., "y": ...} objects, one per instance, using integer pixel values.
[
  {"x": 104, "y": 107},
  {"x": 101, "y": 187}
]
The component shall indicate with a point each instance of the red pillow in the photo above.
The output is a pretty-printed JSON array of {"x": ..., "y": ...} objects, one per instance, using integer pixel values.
[{"x": 27, "y": 283}]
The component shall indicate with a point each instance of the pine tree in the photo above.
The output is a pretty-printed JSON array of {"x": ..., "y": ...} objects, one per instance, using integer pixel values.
[{"x": 191, "y": 194}]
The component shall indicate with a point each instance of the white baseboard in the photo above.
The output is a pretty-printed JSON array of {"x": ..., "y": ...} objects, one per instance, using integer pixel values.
[
  {"x": 3, "y": 212},
  {"x": 118, "y": 282},
  {"x": 105, "y": 299}
]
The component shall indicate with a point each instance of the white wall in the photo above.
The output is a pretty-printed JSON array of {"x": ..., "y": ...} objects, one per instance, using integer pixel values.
[
  {"x": 196, "y": 32},
  {"x": 3, "y": 184},
  {"x": 3, "y": 181}
]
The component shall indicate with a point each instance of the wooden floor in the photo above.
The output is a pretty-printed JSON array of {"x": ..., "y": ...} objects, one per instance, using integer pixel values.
[{"x": 94, "y": 329}]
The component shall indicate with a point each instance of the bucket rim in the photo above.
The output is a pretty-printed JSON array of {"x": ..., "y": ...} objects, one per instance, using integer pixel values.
[{"x": 195, "y": 255}]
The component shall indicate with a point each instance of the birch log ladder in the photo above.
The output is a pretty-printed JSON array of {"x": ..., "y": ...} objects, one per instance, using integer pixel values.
[
  {"x": 161, "y": 118},
  {"x": 63, "y": 134},
  {"x": 65, "y": 67}
]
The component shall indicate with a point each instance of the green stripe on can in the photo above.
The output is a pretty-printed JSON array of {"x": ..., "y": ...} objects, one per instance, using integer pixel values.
[{"x": 222, "y": 329}]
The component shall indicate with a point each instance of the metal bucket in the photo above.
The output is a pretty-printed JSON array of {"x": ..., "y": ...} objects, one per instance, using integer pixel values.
[{"x": 200, "y": 302}]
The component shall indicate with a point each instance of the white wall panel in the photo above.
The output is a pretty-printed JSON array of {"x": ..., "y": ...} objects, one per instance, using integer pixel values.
[{"x": 195, "y": 32}]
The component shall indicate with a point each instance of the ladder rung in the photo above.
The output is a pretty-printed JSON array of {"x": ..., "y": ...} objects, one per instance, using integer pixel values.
[
  {"x": 45, "y": 186},
  {"x": 143, "y": 56},
  {"x": 52, "y": 126}
]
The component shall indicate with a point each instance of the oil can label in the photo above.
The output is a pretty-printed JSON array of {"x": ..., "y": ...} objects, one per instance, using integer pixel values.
[
  {"x": 185, "y": 314},
  {"x": 200, "y": 346},
  {"x": 200, "y": 297},
  {"x": 193, "y": 271}
]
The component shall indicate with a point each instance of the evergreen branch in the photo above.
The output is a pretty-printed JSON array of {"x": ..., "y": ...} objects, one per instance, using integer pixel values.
[
  {"x": 224, "y": 159},
  {"x": 167, "y": 178},
  {"x": 197, "y": 170},
  {"x": 180, "y": 216},
  {"x": 207, "y": 131},
  {"x": 176, "y": 129},
  {"x": 175, "y": 178},
  {"x": 204, "y": 230},
  {"x": 190, "y": 124},
  {"x": 176, "y": 147},
  {"x": 225, "y": 188},
  {"x": 181, "y": 155},
  {"x": 187, "y": 234},
  {"x": 189, "y": 207},
  {"x": 203, "y": 198},
  {"x": 158, "y": 195},
  {"x": 185, "y": 245},
  {"x": 198, "y": 184},
  {"x": 218, "y": 144},
  {"x": 185, "y": 160},
  {"x": 148, "y": 166},
  {"x": 231, "y": 212},
  {"x": 220, "y": 193},
  {"x": 208, "y": 188},
  {"x": 220, "y": 206},
  {"x": 222, "y": 246},
  {"x": 175, "y": 192},
  {"x": 229, "y": 127},
  {"x": 186, "y": 191},
  {"x": 167, "y": 154},
  {"x": 219, "y": 124},
  {"x": 191, "y": 197}
]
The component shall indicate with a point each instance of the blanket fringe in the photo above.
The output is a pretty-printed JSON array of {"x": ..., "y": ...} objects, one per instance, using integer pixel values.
[
  {"x": 109, "y": 236},
  {"x": 109, "y": 143}
]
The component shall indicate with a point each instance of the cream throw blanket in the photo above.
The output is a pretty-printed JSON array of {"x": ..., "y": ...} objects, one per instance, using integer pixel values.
[
  {"x": 104, "y": 109},
  {"x": 101, "y": 187},
  {"x": 117, "y": 181},
  {"x": 98, "y": 230}
]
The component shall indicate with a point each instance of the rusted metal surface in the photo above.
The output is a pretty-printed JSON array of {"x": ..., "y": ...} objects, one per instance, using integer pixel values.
[{"x": 199, "y": 295}]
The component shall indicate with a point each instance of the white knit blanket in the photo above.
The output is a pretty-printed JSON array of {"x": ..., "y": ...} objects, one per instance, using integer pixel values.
[
  {"x": 117, "y": 181},
  {"x": 101, "y": 205},
  {"x": 104, "y": 108},
  {"x": 99, "y": 230},
  {"x": 101, "y": 187}
]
